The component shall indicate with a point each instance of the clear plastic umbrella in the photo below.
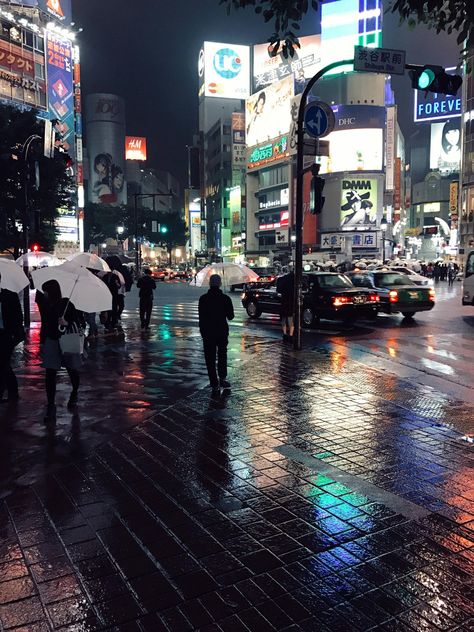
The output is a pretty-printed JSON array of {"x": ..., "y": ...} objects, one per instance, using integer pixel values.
[
  {"x": 230, "y": 273},
  {"x": 88, "y": 260},
  {"x": 12, "y": 276},
  {"x": 38, "y": 260},
  {"x": 86, "y": 291}
]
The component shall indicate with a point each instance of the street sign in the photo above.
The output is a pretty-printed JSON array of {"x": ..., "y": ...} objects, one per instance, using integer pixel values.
[
  {"x": 319, "y": 119},
  {"x": 383, "y": 60},
  {"x": 315, "y": 147}
]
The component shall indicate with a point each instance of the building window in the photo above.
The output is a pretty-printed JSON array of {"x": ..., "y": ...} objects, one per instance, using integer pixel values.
[{"x": 39, "y": 71}]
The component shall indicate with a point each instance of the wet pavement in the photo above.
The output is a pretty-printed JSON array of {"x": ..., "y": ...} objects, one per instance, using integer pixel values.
[{"x": 320, "y": 494}]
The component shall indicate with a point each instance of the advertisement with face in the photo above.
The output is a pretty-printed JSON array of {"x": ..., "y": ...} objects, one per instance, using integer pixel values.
[
  {"x": 105, "y": 122},
  {"x": 224, "y": 70},
  {"x": 359, "y": 202},
  {"x": 445, "y": 149},
  {"x": 305, "y": 63},
  {"x": 268, "y": 112}
]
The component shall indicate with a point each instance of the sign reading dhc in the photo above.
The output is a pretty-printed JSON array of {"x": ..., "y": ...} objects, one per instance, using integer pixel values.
[{"x": 436, "y": 107}]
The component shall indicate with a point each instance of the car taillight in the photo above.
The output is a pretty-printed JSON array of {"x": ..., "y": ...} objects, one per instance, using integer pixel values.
[
  {"x": 432, "y": 294},
  {"x": 337, "y": 301},
  {"x": 393, "y": 296}
]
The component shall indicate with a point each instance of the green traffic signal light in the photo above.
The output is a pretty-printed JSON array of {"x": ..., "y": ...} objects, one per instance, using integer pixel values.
[
  {"x": 426, "y": 79},
  {"x": 163, "y": 229}
]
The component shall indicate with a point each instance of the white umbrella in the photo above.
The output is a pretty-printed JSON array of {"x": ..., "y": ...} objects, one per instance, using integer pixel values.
[
  {"x": 87, "y": 292},
  {"x": 12, "y": 276},
  {"x": 89, "y": 260},
  {"x": 38, "y": 260},
  {"x": 230, "y": 273}
]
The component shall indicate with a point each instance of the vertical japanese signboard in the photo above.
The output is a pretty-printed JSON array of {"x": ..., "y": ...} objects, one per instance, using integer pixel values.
[
  {"x": 60, "y": 89},
  {"x": 239, "y": 152}
]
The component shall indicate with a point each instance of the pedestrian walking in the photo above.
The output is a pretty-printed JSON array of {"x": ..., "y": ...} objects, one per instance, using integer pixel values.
[
  {"x": 286, "y": 288},
  {"x": 451, "y": 275},
  {"x": 215, "y": 309},
  {"x": 110, "y": 319},
  {"x": 11, "y": 334},
  {"x": 58, "y": 316},
  {"x": 146, "y": 284}
]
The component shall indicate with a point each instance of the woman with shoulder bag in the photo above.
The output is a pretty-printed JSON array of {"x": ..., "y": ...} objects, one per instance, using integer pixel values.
[
  {"x": 59, "y": 318},
  {"x": 11, "y": 334}
]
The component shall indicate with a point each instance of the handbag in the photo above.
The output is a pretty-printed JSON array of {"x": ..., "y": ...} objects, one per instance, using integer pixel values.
[{"x": 72, "y": 340}]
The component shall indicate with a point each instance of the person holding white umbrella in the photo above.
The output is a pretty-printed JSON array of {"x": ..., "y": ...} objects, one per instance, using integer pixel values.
[
  {"x": 58, "y": 315},
  {"x": 12, "y": 281}
]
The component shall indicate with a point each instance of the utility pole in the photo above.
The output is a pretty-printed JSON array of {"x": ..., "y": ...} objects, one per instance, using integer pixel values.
[{"x": 26, "y": 212}]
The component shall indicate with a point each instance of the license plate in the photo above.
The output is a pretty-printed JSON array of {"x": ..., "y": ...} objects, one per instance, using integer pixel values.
[
  {"x": 413, "y": 295},
  {"x": 359, "y": 299}
]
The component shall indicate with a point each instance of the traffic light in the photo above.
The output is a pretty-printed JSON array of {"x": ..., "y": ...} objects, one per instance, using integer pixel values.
[
  {"x": 435, "y": 79},
  {"x": 163, "y": 229},
  {"x": 317, "y": 188},
  {"x": 35, "y": 248}
]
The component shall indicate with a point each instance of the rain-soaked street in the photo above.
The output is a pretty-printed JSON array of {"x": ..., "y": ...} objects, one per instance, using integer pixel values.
[{"x": 332, "y": 490}]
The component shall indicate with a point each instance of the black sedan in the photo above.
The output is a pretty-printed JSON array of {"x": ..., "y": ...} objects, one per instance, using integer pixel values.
[
  {"x": 397, "y": 293},
  {"x": 325, "y": 295}
]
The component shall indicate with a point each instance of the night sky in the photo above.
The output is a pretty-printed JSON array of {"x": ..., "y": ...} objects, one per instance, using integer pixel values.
[{"x": 147, "y": 50}]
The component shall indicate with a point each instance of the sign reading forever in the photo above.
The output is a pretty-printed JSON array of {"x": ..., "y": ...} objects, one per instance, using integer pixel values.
[
  {"x": 384, "y": 60},
  {"x": 319, "y": 119}
]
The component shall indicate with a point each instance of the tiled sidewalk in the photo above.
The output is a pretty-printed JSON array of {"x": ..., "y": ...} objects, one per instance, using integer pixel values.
[{"x": 318, "y": 496}]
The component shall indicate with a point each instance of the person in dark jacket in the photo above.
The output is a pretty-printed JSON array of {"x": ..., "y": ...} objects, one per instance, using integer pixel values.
[
  {"x": 286, "y": 287},
  {"x": 215, "y": 309},
  {"x": 57, "y": 314},
  {"x": 146, "y": 284},
  {"x": 11, "y": 334}
]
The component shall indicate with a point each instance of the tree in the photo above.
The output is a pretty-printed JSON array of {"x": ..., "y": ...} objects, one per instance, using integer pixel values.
[
  {"x": 443, "y": 15},
  {"x": 55, "y": 188},
  {"x": 101, "y": 221}
]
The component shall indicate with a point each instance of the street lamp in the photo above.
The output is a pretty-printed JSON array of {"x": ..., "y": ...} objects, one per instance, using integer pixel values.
[{"x": 383, "y": 228}]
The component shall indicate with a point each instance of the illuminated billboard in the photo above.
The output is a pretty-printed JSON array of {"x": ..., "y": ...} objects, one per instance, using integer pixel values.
[
  {"x": 359, "y": 202},
  {"x": 224, "y": 70},
  {"x": 445, "y": 147},
  {"x": 61, "y": 90},
  {"x": 268, "y": 153},
  {"x": 268, "y": 112},
  {"x": 304, "y": 64},
  {"x": 354, "y": 150},
  {"x": 56, "y": 9},
  {"x": 135, "y": 148},
  {"x": 349, "y": 23}
]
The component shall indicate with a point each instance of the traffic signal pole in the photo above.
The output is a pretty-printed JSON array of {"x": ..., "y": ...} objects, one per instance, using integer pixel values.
[
  {"x": 299, "y": 198},
  {"x": 298, "y": 303}
]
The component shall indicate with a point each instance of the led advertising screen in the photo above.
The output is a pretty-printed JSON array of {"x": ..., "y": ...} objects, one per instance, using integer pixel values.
[
  {"x": 445, "y": 147},
  {"x": 354, "y": 150},
  {"x": 268, "y": 112},
  {"x": 359, "y": 202},
  {"x": 135, "y": 148},
  {"x": 349, "y": 23},
  {"x": 304, "y": 64},
  {"x": 224, "y": 70}
]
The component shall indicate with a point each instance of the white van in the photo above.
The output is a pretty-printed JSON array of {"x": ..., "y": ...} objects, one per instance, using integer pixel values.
[{"x": 468, "y": 282}]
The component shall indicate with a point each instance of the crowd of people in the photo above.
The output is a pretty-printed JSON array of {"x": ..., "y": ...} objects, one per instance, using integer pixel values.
[{"x": 63, "y": 326}]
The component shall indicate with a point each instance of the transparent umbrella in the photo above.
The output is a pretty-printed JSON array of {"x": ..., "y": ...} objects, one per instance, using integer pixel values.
[
  {"x": 38, "y": 260},
  {"x": 86, "y": 291},
  {"x": 12, "y": 276},
  {"x": 88, "y": 260},
  {"x": 230, "y": 273}
]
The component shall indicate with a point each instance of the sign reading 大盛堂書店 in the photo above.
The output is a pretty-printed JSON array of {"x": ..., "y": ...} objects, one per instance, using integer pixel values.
[{"x": 384, "y": 60}]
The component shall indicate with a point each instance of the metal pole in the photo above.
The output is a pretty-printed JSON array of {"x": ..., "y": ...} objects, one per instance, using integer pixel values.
[
  {"x": 137, "y": 259},
  {"x": 299, "y": 199},
  {"x": 26, "y": 291},
  {"x": 383, "y": 246}
]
